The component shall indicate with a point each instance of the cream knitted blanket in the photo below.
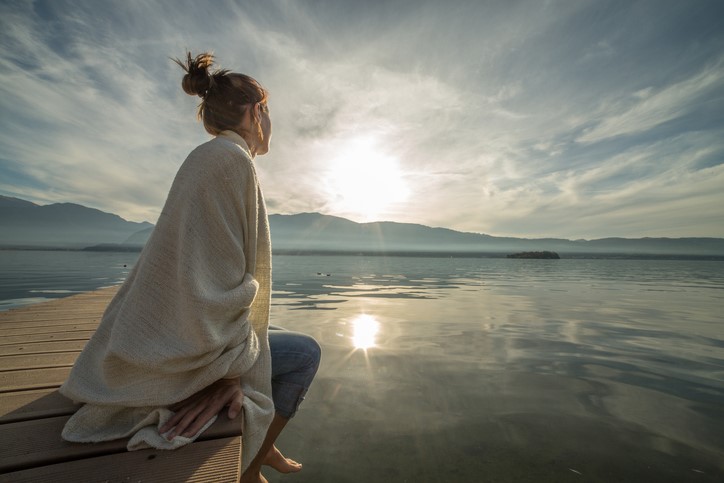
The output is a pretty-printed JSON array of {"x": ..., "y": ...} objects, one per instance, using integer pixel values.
[{"x": 194, "y": 309}]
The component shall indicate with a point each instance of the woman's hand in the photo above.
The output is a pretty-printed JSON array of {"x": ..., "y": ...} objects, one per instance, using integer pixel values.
[{"x": 195, "y": 411}]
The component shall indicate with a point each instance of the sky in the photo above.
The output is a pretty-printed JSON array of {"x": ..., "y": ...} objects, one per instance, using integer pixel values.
[{"x": 571, "y": 119}]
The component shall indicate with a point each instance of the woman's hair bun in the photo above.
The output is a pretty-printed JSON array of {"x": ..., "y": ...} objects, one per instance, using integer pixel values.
[
  {"x": 225, "y": 95},
  {"x": 198, "y": 79}
]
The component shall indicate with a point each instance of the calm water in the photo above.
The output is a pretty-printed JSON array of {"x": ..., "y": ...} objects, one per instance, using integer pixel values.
[
  {"x": 484, "y": 369},
  {"x": 28, "y": 277}
]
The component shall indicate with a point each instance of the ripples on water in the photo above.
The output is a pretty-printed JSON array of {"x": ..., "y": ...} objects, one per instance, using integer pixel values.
[
  {"x": 441, "y": 369},
  {"x": 28, "y": 277},
  {"x": 511, "y": 370}
]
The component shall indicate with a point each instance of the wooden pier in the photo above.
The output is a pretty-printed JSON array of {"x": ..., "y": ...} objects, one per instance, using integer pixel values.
[{"x": 38, "y": 345}]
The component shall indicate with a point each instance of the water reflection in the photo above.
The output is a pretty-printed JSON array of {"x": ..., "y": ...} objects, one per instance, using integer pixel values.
[
  {"x": 297, "y": 284},
  {"x": 499, "y": 383},
  {"x": 473, "y": 370},
  {"x": 365, "y": 328}
]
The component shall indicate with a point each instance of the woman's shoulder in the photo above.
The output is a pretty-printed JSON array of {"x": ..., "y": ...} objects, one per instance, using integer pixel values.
[
  {"x": 222, "y": 149},
  {"x": 219, "y": 156}
]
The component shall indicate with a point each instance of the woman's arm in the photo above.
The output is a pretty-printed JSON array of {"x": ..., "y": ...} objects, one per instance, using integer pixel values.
[{"x": 195, "y": 411}]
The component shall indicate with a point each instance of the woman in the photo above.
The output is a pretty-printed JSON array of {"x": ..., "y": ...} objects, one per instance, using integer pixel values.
[{"x": 187, "y": 334}]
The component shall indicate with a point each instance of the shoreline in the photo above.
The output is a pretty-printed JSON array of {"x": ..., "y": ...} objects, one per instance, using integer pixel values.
[
  {"x": 7, "y": 305},
  {"x": 396, "y": 253}
]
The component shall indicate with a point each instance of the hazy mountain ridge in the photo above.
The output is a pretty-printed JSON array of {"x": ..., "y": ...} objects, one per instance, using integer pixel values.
[
  {"x": 61, "y": 224},
  {"x": 316, "y": 232},
  {"x": 68, "y": 224}
]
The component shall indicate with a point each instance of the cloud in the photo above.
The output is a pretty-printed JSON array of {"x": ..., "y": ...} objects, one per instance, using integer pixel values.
[
  {"x": 644, "y": 191},
  {"x": 534, "y": 118},
  {"x": 91, "y": 125},
  {"x": 647, "y": 108}
]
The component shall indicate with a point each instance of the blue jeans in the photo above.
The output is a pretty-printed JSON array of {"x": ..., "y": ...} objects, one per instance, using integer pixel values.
[{"x": 295, "y": 360}]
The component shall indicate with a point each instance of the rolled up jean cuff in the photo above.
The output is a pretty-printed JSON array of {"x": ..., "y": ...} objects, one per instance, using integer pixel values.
[{"x": 287, "y": 397}]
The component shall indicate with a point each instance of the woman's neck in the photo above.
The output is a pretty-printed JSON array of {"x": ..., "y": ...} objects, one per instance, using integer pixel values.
[{"x": 253, "y": 147}]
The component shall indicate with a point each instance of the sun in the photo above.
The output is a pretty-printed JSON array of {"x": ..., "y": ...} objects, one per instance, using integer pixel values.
[{"x": 363, "y": 182}]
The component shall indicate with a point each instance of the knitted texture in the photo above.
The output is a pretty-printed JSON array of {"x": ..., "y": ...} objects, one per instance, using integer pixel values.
[{"x": 194, "y": 309}]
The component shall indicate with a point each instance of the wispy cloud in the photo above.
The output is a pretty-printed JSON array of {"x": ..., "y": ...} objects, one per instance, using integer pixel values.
[
  {"x": 525, "y": 119},
  {"x": 653, "y": 190},
  {"x": 647, "y": 108}
]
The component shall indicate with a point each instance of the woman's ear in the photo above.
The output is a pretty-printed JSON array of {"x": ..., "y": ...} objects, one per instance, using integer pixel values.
[{"x": 250, "y": 111}]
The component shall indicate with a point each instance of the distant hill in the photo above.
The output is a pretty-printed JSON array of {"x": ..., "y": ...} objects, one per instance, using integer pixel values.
[
  {"x": 316, "y": 232},
  {"x": 66, "y": 224},
  {"x": 60, "y": 225},
  {"x": 140, "y": 237}
]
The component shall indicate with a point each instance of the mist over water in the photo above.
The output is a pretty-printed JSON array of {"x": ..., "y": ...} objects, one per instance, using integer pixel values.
[{"x": 451, "y": 369}]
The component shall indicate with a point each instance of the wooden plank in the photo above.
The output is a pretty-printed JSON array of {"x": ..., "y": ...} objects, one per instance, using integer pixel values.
[
  {"x": 51, "y": 322},
  {"x": 27, "y": 444},
  {"x": 72, "y": 306},
  {"x": 51, "y": 316},
  {"x": 88, "y": 327},
  {"x": 42, "y": 347},
  {"x": 34, "y": 404},
  {"x": 37, "y": 361},
  {"x": 216, "y": 460},
  {"x": 83, "y": 303},
  {"x": 11, "y": 381},
  {"x": 47, "y": 336},
  {"x": 80, "y": 303}
]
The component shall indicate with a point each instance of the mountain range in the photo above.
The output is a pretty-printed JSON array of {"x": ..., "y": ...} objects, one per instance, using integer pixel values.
[
  {"x": 68, "y": 225},
  {"x": 316, "y": 232},
  {"x": 64, "y": 225}
]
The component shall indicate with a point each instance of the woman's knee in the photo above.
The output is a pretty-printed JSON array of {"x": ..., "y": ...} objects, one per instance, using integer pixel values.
[
  {"x": 308, "y": 345},
  {"x": 313, "y": 349},
  {"x": 294, "y": 351}
]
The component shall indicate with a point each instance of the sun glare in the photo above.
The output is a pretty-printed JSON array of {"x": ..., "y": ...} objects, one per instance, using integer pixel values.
[
  {"x": 365, "y": 329},
  {"x": 364, "y": 182}
]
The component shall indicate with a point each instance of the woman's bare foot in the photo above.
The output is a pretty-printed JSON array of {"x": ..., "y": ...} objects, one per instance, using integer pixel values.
[{"x": 279, "y": 462}]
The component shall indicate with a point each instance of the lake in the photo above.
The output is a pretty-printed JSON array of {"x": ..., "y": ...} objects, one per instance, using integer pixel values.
[{"x": 483, "y": 369}]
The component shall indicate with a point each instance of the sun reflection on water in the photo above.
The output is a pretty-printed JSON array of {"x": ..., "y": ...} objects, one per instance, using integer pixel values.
[{"x": 365, "y": 329}]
